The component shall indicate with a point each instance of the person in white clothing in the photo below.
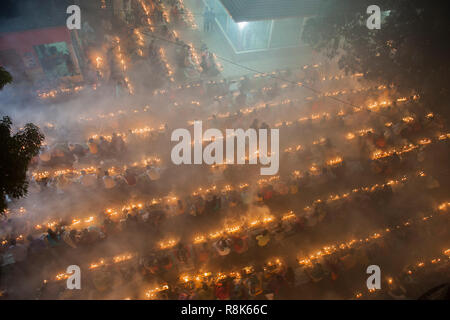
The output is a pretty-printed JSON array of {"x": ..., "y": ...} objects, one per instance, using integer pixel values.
[{"x": 108, "y": 181}]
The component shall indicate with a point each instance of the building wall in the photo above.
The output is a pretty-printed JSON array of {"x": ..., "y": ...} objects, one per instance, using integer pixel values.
[
  {"x": 24, "y": 46},
  {"x": 258, "y": 35}
]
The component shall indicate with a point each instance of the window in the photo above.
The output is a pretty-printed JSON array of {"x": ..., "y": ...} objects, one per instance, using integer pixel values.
[
  {"x": 286, "y": 32},
  {"x": 55, "y": 60}
]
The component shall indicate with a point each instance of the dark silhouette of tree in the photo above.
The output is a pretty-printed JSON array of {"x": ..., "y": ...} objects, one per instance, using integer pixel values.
[
  {"x": 5, "y": 77},
  {"x": 17, "y": 150},
  {"x": 411, "y": 50}
]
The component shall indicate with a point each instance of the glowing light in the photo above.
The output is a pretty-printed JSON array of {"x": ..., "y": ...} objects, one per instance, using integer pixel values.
[{"x": 242, "y": 25}]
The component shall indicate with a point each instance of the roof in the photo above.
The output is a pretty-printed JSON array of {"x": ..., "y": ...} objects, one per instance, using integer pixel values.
[
  {"x": 21, "y": 15},
  {"x": 251, "y": 10}
]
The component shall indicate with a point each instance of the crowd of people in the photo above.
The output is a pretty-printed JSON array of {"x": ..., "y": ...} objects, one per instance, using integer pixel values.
[
  {"x": 356, "y": 185},
  {"x": 168, "y": 263}
]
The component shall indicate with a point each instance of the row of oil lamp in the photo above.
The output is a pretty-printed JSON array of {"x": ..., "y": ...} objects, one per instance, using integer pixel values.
[
  {"x": 182, "y": 87},
  {"x": 249, "y": 110},
  {"x": 228, "y": 188},
  {"x": 146, "y": 130},
  {"x": 101, "y": 262},
  {"x": 56, "y": 92},
  {"x": 284, "y": 102},
  {"x": 120, "y": 57},
  {"x": 443, "y": 258},
  {"x": 408, "y": 148},
  {"x": 335, "y": 161},
  {"x": 269, "y": 75},
  {"x": 296, "y": 173},
  {"x": 304, "y": 261},
  {"x": 39, "y": 175},
  {"x": 171, "y": 200},
  {"x": 244, "y": 111},
  {"x": 258, "y": 222},
  {"x": 162, "y": 52},
  {"x": 314, "y": 169},
  {"x": 245, "y": 224},
  {"x": 340, "y": 113}
]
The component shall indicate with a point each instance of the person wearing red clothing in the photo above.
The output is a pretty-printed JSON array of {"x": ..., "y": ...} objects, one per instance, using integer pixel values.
[
  {"x": 240, "y": 244},
  {"x": 222, "y": 290},
  {"x": 130, "y": 177},
  {"x": 203, "y": 254}
]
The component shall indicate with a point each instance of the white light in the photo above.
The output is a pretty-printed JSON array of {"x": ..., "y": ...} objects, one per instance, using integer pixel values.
[{"x": 242, "y": 25}]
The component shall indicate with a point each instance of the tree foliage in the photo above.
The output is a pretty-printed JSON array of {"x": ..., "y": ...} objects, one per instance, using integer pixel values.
[
  {"x": 411, "y": 50},
  {"x": 17, "y": 150},
  {"x": 5, "y": 77}
]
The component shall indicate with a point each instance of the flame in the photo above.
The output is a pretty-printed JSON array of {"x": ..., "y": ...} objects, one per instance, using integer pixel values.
[
  {"x": 95, "y": 265},
  {"x": 199, "y": 239},
  {"x": 167, "y": 244},
  {"x": 408, "y": 119},
  {"x": 152, "y": 292},
  {"x": 121, "y": 258},
  {"x": 334, "y": 161}
]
